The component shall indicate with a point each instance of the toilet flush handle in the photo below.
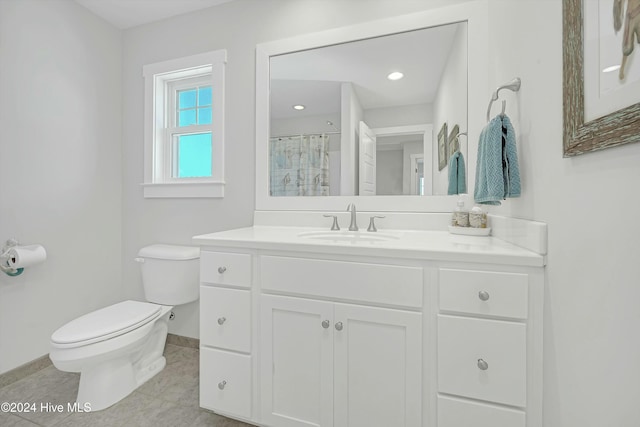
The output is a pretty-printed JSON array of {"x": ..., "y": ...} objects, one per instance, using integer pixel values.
[{"x": 138, "y": 259}]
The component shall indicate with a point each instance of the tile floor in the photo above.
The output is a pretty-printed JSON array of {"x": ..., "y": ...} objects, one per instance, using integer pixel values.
[{"x": 168, "y": 399}]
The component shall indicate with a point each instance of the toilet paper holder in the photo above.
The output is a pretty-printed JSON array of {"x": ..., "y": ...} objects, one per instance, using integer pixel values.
[{"x": 4, "y": 258}]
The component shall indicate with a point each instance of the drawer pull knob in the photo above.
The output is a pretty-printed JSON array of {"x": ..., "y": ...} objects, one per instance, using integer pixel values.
[
  {"x": 221, "y": 270},
  {"x": 482, "y": 365},
  {"x": 483, "y": 295},
  {"x": 222, "y": 384},
  {"x": 221, "y": 320},
  {"x": 339, "y": 326},
  {"x": 325, "y": 324}
]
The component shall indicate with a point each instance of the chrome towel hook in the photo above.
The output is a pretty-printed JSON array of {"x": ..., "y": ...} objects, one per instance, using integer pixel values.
[{"x": 513, "y": 85}]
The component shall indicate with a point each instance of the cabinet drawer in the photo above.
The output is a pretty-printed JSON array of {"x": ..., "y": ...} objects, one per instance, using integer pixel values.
[
  {"x": 225, "y": 268},
  {"x": 225, "y": 319},
  {"x": 458, "y": 413},
  {"x": 375, "y": 283},
  {"x": 484, "y": 292},
  {"x": 465, "y": 345},
  {"x": 225, "y": 382}
]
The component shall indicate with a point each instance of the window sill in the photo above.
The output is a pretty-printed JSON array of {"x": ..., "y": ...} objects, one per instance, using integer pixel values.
[{"x": 176, "y": 190}]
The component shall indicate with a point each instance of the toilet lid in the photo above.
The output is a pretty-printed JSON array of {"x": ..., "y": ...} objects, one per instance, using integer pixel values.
[{"x": 107, "y": 322}]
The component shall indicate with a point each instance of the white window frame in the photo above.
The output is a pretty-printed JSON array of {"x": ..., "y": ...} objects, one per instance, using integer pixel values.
[
  {"x": 172, "y": 130},
  {"x": 161, "y": 79}
]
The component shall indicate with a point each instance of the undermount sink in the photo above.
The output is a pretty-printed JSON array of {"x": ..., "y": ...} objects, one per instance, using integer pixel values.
[{"x": 348, "y": 236}]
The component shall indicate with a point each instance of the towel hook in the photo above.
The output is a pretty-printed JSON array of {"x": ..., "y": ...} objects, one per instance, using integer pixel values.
[
  {"x": 513, "y": 85},
  {"x": 457, "y": 139}
]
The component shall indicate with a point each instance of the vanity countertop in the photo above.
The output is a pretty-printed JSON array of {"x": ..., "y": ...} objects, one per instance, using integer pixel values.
[{"x": 411, "y": 244}]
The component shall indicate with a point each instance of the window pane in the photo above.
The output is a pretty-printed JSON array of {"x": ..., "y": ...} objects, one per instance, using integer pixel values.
[
  {"x": 193, "y": 156},
  {"x": 204, "y": 116},
  {"x": 204, "y": 96},
  {"x": 187, "y": 117},
  {"x": 186, "y": 98}
]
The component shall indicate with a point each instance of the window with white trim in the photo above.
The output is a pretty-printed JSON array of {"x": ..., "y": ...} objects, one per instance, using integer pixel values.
[{"x": 184, "y": 127}]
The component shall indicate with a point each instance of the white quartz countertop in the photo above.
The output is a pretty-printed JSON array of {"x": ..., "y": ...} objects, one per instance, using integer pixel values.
[{"x": 411, "y": 244}]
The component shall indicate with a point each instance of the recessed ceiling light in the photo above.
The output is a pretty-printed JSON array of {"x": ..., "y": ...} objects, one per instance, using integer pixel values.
[
  {"x": 396, "y": 75},
  {"x": 299, "y": 107},
  {"x": 610, "y": 69}
]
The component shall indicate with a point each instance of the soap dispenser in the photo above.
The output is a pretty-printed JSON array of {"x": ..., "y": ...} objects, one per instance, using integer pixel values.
[{"x": 460, "y": 217}]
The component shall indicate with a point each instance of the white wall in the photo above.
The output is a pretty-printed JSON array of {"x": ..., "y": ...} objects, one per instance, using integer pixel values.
[
  {"x": 350, "y": 118},
  {"x": 389, "y": 172},
  {"x": 307, "y": 124},
  {"x": 405, "y": 115},
  {"x": 409, "y": 149},
  {"x": 592, "y": 314},
  {"x": 60, "y": 168}
]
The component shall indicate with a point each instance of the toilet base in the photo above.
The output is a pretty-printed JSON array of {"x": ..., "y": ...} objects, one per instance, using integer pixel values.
[
  {"x": 111, "y": 376},
  {"x": 105, "y": 384}
]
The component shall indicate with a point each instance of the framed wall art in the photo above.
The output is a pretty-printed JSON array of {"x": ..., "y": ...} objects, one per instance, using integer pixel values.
[
  {"x": 601, "y": 79},
  {"x": 442, "y": 147},
  {"x": 453, "y": 143}
]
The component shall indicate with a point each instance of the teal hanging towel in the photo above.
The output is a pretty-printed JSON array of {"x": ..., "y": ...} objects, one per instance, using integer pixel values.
[
  {"x": 497, "y": 170},
  {"x": 457, "y": 174}
]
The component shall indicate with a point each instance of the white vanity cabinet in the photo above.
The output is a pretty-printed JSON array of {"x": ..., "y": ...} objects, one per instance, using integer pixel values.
[
  {"x": 303, "y": 335},
  {"x": 489, "y": 341},
  {"x": 337, "y": 364},
  {"x": 327, "y": 363},
  {"x": 225, "y": 333}
]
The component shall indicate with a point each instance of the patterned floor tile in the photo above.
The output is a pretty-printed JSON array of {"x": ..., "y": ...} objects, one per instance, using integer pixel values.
[{"x": 171, "y": 398}]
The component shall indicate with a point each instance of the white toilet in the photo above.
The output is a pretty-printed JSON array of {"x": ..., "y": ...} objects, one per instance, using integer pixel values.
[{"x": 117, "y": 348}]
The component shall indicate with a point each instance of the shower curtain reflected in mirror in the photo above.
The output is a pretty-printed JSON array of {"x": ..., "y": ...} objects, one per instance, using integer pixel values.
[{"x": 299, "y": 165}]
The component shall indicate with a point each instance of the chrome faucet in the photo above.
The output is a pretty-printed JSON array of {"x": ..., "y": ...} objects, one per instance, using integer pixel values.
[{"x": 353, "y": 226}]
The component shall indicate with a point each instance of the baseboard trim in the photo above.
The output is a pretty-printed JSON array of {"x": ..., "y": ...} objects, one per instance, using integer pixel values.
[
  {"x": 181, "y": 341},
  {"x": 24, "y": 371}
]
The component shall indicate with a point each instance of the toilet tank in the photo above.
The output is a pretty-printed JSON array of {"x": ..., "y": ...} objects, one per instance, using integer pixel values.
[{"x": 170, "y": 273}]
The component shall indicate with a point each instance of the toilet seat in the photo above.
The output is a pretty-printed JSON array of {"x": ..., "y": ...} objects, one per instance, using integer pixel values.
[{"x": 105, "y": 323}]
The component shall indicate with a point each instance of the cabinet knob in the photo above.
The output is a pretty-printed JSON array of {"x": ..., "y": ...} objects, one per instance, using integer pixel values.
[
  {"x": 482, "y": 365},
  {"x": 221, "y": 320},
  {"x": 325, "y": 324},
  {"x": 339, "y": 326},
  {"x": 483, "y": 295},
  {"x": 221, "y": 270},
  {"x": 222, "y": 384}
]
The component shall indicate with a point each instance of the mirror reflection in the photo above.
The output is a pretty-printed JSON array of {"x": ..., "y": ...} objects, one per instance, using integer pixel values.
[
  {"x": 362, "y": 118},
  {"x": 400, "y": 165}
]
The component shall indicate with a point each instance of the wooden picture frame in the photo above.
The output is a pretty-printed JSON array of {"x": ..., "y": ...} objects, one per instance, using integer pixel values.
[
  {"x": 453, "y": 143},
  {"x": 617, "y": 128},
  {"x": 442, "y": 147}
]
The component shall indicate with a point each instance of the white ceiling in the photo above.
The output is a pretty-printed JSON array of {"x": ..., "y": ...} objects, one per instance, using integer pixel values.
[
  {"x": 125, "y": 14},
  {"x": 313, "y": 77}
]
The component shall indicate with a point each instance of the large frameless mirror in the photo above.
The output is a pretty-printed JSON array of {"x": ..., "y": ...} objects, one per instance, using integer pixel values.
[{"x": 361, "y": 118}]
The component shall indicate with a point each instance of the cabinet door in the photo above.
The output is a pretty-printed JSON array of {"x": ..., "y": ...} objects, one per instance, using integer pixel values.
[
  {"x": 377, "y": 367},
  {"x": 296, "y": 362}
]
